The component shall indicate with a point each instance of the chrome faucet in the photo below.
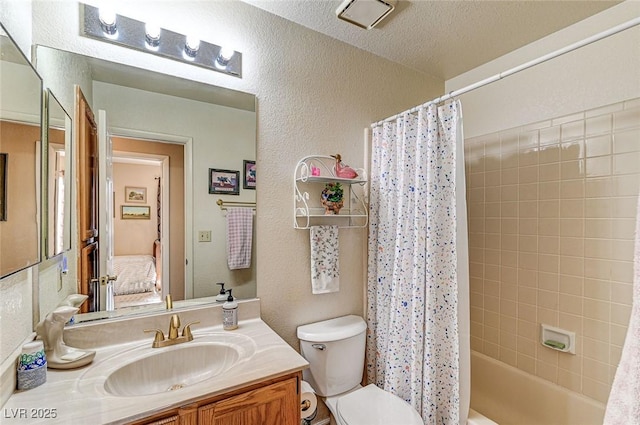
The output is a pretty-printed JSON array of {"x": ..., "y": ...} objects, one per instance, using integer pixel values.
[{"x": 172, "y": 337}]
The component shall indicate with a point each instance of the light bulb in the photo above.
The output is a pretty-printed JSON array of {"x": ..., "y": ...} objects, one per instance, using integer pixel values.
[
  {"x": 107, "y": 17},
  {"x": 191, "y": 47},
  {"x": 224, "y": 56},
  {"x": 226, "y": 53},
  {"x": 152, "y": 35}
]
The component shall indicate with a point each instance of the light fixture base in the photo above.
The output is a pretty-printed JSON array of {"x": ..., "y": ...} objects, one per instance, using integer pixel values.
[{"x": 132, "y": 34}]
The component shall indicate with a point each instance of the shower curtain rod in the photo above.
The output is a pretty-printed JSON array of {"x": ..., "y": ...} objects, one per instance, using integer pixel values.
[{"x": 592, "y": 39}]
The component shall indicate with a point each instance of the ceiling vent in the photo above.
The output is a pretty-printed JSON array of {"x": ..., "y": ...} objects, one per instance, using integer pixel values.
[{"x": 365, "y": 13}]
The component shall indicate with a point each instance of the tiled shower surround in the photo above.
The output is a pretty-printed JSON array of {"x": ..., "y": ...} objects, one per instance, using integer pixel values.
[{"x": 552, "y": 210}]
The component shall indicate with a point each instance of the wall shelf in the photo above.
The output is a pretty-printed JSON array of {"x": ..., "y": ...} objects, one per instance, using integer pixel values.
[{"x": 308, "y": 210}]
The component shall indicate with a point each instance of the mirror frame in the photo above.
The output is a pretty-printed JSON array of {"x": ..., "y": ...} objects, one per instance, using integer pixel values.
[{"x": 46, "y": 184}]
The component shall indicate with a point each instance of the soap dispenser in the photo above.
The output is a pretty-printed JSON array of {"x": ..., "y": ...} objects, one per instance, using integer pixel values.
[
  {"x": 222, "y": 296},
  {"x": 230, "y": 313}
]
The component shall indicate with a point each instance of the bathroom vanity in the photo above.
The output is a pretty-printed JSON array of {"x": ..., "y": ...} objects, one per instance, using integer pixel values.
[
  {"x": 249, "y": 375},
  {"x": 268, "y": 402}
]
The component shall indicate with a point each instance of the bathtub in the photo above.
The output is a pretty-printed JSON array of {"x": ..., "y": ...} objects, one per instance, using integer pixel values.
[
  {"x": 476, "y": 418},
  {"x": 508, "y": 396}
]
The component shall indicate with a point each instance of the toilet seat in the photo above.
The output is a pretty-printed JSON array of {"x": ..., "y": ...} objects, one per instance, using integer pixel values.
[{"x": 372, "y": 406}]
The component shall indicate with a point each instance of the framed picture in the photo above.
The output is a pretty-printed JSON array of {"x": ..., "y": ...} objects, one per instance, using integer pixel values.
[
  {"x": 249, "y": 175},
  {"x": 225, "y": 182},
  {"x": 135, "y": 194},
  {"x": 3, "y": 187},
  {"x": 135, "y": 212}
]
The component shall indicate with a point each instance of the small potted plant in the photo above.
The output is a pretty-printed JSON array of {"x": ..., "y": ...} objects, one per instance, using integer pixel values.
[{"x": 332, "y": 198}]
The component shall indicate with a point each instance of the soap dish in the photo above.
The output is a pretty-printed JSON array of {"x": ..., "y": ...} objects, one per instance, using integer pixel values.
[
  {"x": 558, "y": 339},
  {"x": 71, "y": 359}
]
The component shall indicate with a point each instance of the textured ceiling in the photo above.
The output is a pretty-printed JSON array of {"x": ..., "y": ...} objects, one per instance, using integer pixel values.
[{"x": 442, "y": 38}]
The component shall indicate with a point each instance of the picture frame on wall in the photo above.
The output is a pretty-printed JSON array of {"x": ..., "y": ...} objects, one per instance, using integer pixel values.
[
  {"x": 249, "y": 174},
  {"x": 135, "y": 212},
  {"x": 135, "y": 194},
  {"x": 3, "y": 187},
  {"x": 224, "y": 182}
]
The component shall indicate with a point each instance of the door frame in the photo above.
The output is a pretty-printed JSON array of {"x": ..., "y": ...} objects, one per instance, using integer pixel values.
[
  {"x": 187, "y": 143},
  {"x": 165, "y": 237}
]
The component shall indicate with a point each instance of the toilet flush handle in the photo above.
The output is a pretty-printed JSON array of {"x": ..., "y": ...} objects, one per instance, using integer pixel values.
[{"x": 320, "y": 347}]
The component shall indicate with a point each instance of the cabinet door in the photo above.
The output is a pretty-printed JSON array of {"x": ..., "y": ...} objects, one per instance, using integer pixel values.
[
  {"x": 186, "y": 415},
  {"x": 275, "y": 404}
]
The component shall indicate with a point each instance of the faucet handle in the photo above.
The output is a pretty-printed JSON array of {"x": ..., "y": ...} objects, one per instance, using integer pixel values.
[
  {"x": 159, "y": 335},
  {"x": 186, "y": 331},
  {"x": 174, "y": 326}
]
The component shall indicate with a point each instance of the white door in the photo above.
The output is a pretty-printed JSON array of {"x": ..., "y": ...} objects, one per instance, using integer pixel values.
[{"x": 105, "y": 208}]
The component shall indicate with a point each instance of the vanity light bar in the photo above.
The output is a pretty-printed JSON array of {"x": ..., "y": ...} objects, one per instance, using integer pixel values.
[{"x": 137, "y": 35}]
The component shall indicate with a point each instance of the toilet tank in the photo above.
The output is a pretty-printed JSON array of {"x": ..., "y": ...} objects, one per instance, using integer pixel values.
[{"x": 335, "y": 352}]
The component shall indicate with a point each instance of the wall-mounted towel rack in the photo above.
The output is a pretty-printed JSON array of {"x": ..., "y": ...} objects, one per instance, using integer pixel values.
[{"x": 226, "y": 204}]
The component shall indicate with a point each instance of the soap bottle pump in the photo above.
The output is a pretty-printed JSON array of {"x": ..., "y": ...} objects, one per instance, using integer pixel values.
[
  {"x": 222, "y": 296},
  {"x": 230, "y": 313}
]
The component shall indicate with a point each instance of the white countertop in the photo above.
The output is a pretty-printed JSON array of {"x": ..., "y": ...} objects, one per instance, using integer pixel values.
[{"x": 75, "y": 401}]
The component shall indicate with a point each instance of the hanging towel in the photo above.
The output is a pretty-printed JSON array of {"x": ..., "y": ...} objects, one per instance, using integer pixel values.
[
  {"x": 325, "y": 269},
  {"x": 623, "y": 407},
  {"x": 239, "y": 237}
]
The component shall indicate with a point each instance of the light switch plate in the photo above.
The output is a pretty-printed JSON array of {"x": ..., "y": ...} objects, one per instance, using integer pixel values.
[{"x": 204, "y": 236}]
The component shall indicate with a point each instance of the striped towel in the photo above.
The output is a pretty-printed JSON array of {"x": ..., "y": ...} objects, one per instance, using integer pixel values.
[{"x": 239, "y": 237}]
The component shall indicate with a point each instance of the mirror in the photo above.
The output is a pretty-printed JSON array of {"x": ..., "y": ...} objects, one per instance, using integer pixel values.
[
  {"x": 58, "y": 166},
  {"x": 20, "y": 159},
  {"x": 148, "y": 115}
]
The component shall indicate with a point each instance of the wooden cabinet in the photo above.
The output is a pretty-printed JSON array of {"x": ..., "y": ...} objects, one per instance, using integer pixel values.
[
  {"x": 87, "y": 170},
  {"x": 187, "y": 415},
  {"x": 275, "y": 404},
  {"x": 87, "y": 202},
  {"x": 272, "y": 402}
]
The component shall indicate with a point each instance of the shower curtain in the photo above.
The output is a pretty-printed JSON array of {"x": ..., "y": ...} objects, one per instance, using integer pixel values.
[
  {"x": 417, "y": 343},
  {"x": 623, "y": 406}
]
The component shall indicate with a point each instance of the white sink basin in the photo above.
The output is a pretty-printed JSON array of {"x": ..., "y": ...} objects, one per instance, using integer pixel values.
[
  {"x": 171, "y": 370},
  {"x": 144, "y": 370}
]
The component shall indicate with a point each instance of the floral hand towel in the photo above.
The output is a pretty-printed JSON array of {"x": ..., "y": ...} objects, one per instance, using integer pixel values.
[{"x": 325, "y": 269}]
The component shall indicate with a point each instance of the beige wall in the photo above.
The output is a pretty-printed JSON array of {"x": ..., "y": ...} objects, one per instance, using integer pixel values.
[
  {"x": 551, "y": 195},
  {"x": 135, "y": 237},
  {"x": 601, "y": 73},
  {"x": 551, "y": 222},
  {"x": 19, "y": 244}
]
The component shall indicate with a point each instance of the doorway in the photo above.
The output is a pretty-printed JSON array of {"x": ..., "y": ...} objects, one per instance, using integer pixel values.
[{"x": 149, "y": 176}]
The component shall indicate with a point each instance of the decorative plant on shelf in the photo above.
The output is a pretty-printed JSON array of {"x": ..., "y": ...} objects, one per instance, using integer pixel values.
[{"x": 332, "y": 198}]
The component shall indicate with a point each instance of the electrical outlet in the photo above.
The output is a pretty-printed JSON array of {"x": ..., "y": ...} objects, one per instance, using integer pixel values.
[{"x": 204, "y": 236}]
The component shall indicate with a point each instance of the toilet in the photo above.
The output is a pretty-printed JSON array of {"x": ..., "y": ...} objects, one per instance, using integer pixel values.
[{"x": 335, "y": 352}]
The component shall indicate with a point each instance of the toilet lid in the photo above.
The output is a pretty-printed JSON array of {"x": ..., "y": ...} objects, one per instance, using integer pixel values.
[{"x": 373, "y": 406}]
